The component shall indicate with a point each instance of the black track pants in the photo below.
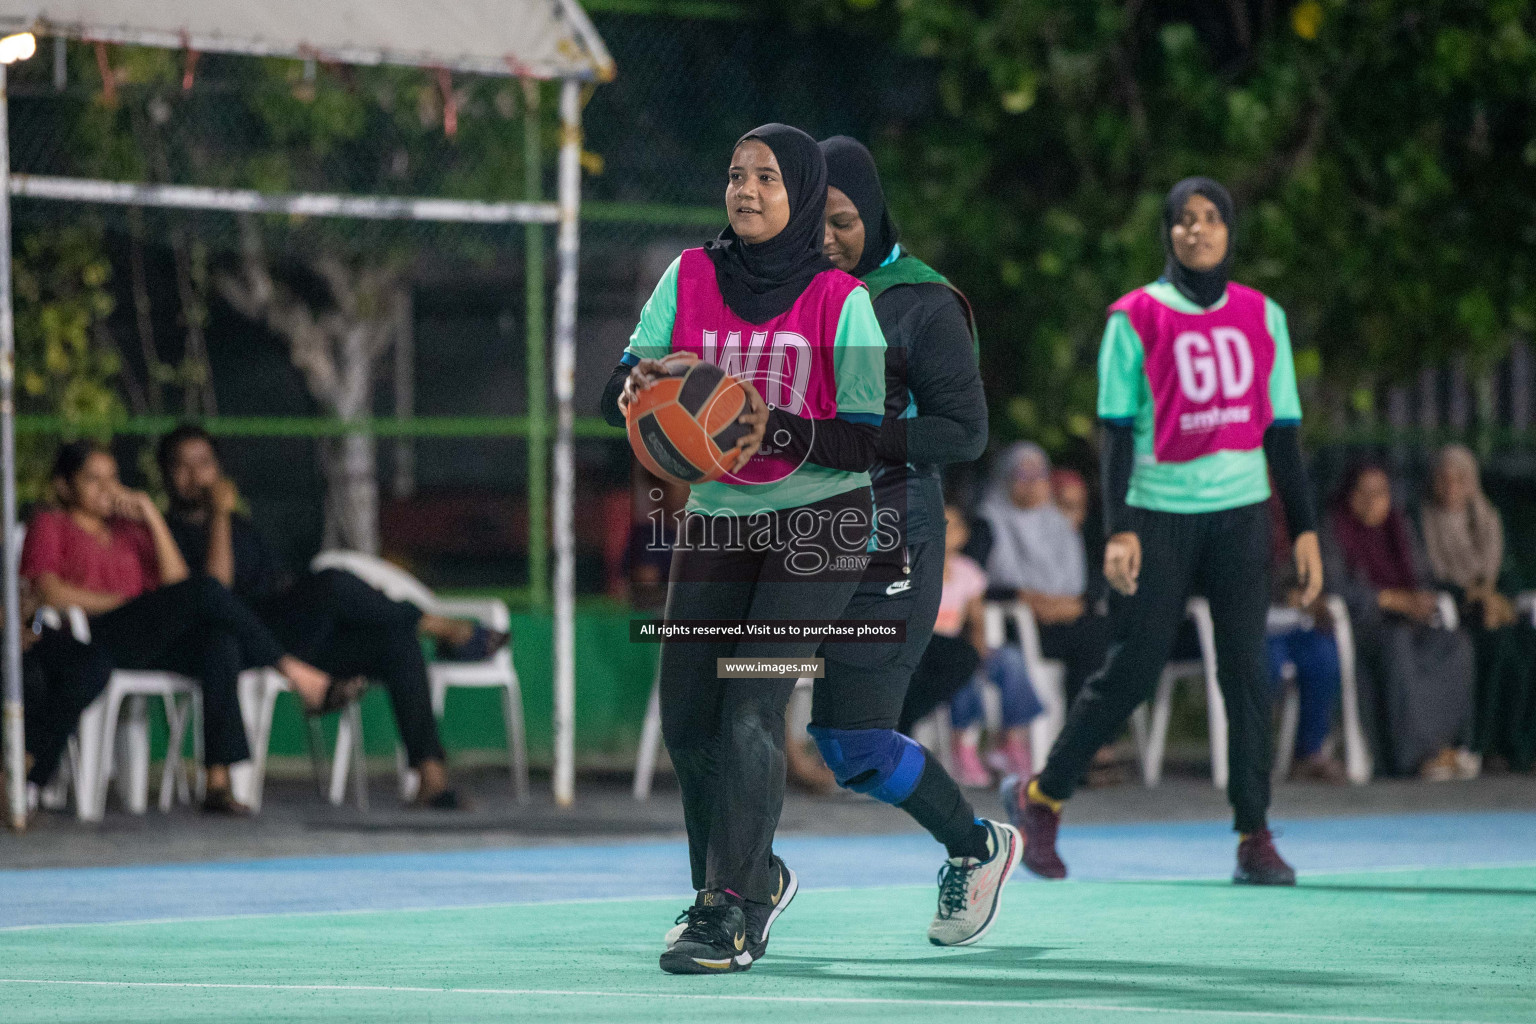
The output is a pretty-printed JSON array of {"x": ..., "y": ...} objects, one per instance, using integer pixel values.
[
  {"x": 865, "y": 686},
  {"x": 1225, "y": 556},
  {"x": 726, "y": 736},
  {"x": 199, "y": 629},
  {"x": 343, "y": 626}
]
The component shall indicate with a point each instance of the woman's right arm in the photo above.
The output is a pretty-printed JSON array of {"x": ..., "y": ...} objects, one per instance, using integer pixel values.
[
  {"x": 651, "y": 340},
  {"x": 54, "y": 591},
  {"x": 976, "y": 623},
  {"x": 1120, "y": 394}
]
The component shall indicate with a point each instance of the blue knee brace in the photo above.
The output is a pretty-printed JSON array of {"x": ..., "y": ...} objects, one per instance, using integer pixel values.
[{"x": 881, "y": 763}]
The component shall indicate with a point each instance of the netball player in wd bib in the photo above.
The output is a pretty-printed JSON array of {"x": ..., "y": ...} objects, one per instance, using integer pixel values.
[
  {"x": 784, "y": 535},
  {"x": 1197, "y": 398}
]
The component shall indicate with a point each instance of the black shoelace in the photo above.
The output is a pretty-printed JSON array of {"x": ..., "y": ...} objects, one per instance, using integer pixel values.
[
  {"x": 954, "y": 880},
  {"x": 707, "y": 925}
]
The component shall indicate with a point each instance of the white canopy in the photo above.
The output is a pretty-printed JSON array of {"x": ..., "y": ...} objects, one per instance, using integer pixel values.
[{"x": 533, "y": 38}]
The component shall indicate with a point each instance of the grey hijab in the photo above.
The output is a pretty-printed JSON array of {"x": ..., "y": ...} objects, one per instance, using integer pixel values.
[{"x": 1032, "y": 549}]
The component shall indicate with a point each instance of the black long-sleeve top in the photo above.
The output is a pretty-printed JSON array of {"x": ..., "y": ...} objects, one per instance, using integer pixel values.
[{"x": 935, "y": 406}]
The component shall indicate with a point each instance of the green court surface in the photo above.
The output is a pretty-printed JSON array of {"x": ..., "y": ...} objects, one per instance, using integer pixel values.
[{"x": 1436, "y": 945}]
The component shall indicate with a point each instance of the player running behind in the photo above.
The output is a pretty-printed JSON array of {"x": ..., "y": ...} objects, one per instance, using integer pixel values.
[
  {"x": 935, "y": 413},
  {"x": 1198, "y": 403},
  {"x": 762, "y": 303}
]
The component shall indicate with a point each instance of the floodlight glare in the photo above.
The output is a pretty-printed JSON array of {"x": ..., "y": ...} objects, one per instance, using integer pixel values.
[{"x": 17, "y": 47}]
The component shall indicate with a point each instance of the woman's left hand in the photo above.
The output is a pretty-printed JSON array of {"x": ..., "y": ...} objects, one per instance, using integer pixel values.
[
  {"x": 1498, "y": 612},
  {"x": 756, "y": 417},
  {"x": 1309, "y": 567}
]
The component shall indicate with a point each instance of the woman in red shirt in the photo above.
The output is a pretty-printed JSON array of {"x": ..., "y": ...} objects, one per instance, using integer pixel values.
[{"x": 106, "y": 549}]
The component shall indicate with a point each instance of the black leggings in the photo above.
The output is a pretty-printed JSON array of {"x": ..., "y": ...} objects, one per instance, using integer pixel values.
[
  {"x": 726, "y": 737},
  {"x": 61, "y": 677},
  {"x": 342, "y": 625},
  {"x": 866, "y": 685},
  {"x": 1225, "y": 556},
  {"x": 199, "y": 629}
]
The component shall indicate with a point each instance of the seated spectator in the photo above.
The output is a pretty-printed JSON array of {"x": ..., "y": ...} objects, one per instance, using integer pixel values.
[
  {"x": 1070, "y": 493},
  {"x": 107, "y": 550},
  {"x": 1465, "y": 540},
  {"x": 1071, "y": 496},
  {"x": 959, "y": 635},
  {"x": 1303, "y": 638},
  {"x": 1038, "y": 558},
  {"x": 1415, "y": 677},
  {"x": 652, "y": 527},
  {"x": 60, "y": 678},
  {"x": 331, "y": 618}
]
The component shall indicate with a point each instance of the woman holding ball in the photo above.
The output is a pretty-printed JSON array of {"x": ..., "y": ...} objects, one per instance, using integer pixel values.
[{"x": 782, "y": 534}]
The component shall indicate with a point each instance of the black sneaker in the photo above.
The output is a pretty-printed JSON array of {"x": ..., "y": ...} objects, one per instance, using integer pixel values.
[
  {"x": 714, "y": 941},
  {"x": 760, "y": 916}
]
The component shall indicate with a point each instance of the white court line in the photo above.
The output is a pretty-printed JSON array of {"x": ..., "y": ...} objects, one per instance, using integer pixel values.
[
  {"x": 687, "y": 897},
  {"x": 1021, "y": 1004}
]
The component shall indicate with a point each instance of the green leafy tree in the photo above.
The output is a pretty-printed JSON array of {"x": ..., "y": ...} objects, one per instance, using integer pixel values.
[
  {"x": 1381, "y": 154},
  {"x": 67, "y": 366},
  {"x": 333, "y": 291}
]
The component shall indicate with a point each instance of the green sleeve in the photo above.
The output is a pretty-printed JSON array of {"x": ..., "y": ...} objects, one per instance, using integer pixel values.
[
  {"x": 858, "y": 358},
  {"x": 653, "y": 334},
  {"x": 1120, "y": 369},
  {"x": 1283, "y": 398}
]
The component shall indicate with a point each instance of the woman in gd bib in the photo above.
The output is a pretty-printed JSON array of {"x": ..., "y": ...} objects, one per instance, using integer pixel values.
[
  {"x": 763, "y": 303},
  {"x": 1199, "y": 411}
]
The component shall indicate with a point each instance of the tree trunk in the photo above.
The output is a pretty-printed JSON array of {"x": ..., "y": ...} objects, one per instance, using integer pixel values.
[
  {"x": 338, "y": 350},
  {"x": 351, "y": 471}
]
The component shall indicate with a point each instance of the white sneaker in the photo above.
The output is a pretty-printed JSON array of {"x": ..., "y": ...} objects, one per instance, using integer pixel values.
[
  {"x": 971, "y": 890},
  {"x": 676, "y": 932}
]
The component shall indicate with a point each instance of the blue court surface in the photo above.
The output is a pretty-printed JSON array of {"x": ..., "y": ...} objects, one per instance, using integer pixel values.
[{"x": 645, "y": 869}]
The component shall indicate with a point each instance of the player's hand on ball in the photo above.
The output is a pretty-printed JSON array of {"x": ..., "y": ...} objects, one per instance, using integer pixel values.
[
  {"x": 645, "y": 373},
  {"x": 1309, "y": 568},
  {"x": 756, "y": 417},
  {"x": 1122, "y": 562}
]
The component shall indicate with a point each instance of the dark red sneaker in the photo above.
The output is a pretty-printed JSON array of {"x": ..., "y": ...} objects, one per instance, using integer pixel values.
[
  {"x": 1259, "y": 863},
  {"x": 1038, "y": 824}
]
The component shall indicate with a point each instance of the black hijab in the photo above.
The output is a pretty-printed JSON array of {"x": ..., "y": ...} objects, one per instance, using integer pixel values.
[
  {"x": 851, "y": 169},
  {"x": 761, "y": 281},
  {"x": 1202, "y": 287}
]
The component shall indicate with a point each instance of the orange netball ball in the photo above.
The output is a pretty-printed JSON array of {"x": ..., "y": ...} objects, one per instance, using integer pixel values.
[{"x": 684, "y": 427}]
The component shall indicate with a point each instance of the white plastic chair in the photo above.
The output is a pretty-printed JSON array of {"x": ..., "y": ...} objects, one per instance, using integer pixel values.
[
  {"x": 1048, "y": 676},
  {"x": 258, "y": 690},
  {"x": 1525, "y": 603},
  {"x": 650, "y": 742},
  {"x": 496, "y": 672},
  {"x": 1152, "y": 736},
  {"x": 1356, "y": 753},
  {"x": 96, "y": 745},
  {"x": 650, "y": 737},
  {"x": 934, "y": 730}
]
